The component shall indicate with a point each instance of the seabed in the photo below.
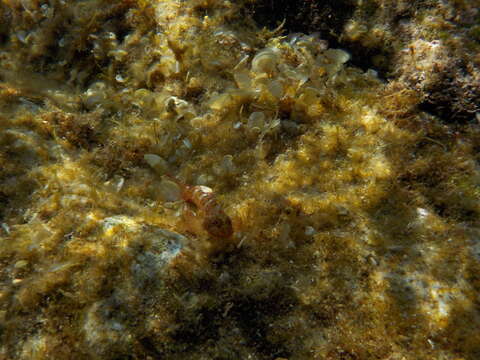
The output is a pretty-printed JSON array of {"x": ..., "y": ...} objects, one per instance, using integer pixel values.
[{"x": 340, "y": 140}]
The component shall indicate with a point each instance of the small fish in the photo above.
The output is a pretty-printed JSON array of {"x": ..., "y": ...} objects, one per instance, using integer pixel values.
[{"x": 204, "y": 210}]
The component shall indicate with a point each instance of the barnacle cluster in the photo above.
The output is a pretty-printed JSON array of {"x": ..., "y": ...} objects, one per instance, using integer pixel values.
[{"x": 356, "y": 215}]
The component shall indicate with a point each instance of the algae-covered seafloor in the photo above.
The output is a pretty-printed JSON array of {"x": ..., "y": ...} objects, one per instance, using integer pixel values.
[{"x": 340, "y": 139}]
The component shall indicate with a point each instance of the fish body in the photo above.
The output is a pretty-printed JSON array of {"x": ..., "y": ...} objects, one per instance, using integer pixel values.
[{"x": 203, "y": 210}]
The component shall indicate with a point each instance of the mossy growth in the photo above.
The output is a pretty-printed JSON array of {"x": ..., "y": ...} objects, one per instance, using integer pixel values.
[{"x": 355, "y": 214}]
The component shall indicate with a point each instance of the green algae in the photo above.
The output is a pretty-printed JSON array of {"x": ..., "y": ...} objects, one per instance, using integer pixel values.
[{"x": 355, "y": 214}]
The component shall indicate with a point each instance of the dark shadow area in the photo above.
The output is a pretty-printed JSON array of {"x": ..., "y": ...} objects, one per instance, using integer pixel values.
[
  {"x": 327, "y": 18},
  {"x": 252, "y": 316},
  {"x": 451, "y": 100}
]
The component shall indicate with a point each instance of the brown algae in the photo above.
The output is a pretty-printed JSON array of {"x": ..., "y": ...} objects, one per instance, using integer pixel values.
[{"x": 356, "y": 215}]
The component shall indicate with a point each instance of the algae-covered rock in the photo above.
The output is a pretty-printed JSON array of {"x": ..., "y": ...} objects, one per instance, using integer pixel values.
[
  {"x": 429, "y": 46},
  {"x": 324, "y": 134}
]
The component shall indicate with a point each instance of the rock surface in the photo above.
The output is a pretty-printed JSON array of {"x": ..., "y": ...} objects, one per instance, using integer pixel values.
[{"x": 343, "y": 145}]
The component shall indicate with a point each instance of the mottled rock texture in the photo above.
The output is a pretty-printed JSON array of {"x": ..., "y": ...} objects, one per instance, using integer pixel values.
[{"x": 343, "y": 145}]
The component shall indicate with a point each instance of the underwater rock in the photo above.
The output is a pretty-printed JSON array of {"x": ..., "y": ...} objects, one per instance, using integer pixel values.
[{"x": 351, "y": 215}]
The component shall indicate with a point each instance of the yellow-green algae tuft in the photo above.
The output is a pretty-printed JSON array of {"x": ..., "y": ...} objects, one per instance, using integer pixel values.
[{"x": 355, "y": 214}]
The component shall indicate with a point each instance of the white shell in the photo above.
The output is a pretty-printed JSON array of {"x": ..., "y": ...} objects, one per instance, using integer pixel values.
[
  {"x": 156, "y": 162},
  {"x": 265, "y": 61}
]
